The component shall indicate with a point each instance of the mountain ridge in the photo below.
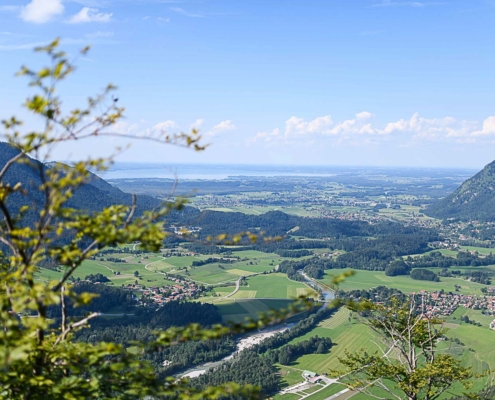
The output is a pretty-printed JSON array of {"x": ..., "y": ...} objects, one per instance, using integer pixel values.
[
  {"x": 473, "y": 200},
  {"x": 92, "y": 196}
]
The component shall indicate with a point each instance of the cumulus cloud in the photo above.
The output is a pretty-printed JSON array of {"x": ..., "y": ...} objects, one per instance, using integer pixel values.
[
  {"x": 41, "y": 11},
  {"x": 357, "y": 125},
  {"x": 299, "y": 126},
  {"x": 363, "y": 129},
  {"x": 165, "y": 126},
  {"x": 431, "y": 128},
  {"x": 197, "y": 124},
  {"x": 226, "y": 125},
  {"x": 488, "y": 127},
  {"x": 268, "y": 136},
  {"x": 88, "y": 14},
  {"x": 223, "y": 126}
]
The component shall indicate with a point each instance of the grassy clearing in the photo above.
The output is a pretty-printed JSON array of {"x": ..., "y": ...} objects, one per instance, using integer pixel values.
[
  {"x": 337, "y": 319},
  {"x": 347, "y": 336},
  {"x": 476, "y": 352},
  {"x": 445, "y": 252},
  {"x": 289, "y": 376},
  {"x": 481, "y": 250},
  {"x": 275, "y": 285},
  {"x": 245, "y": 294},
  {"x": 180, "y": 262},
  {"x": 327, "y": 392},
  {"x": 237, "y": 310},
  {"x": 210, "y": 274},
  {"x": 239, "y": 272}
]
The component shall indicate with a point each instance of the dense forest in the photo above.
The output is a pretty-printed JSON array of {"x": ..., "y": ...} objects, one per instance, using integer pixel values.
[
  {"x": 424, "y": 275},
  {"x": 381, "y": 294},
  {"x": 377, "y": 254}
]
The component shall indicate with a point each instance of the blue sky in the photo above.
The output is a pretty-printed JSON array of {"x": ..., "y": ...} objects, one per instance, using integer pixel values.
[{"x": 332, "y": 82}]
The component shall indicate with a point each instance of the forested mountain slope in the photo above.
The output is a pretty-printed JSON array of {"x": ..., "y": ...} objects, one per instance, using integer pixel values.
[
  {"x": 92, "y": 196},
  {"x": 473, "y": 200}
]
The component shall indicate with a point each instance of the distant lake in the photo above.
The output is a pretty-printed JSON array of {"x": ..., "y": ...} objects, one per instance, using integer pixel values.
[{"x": 223, "y": 171}]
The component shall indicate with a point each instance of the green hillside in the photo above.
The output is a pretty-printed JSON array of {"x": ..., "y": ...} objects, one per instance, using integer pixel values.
[{"x": 473, "y": 200}]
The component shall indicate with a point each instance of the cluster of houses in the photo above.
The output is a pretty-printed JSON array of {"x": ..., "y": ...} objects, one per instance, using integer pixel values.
[
  {"x": 184, "y": 230},
  {"x": 180, "y": 290},
  {"x": 311, "y": 377},
  {"x": 444, "y": 304}
]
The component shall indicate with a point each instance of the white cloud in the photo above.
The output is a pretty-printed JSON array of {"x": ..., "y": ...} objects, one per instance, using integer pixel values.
[
  {"x": 197, "y": 124},
  {"x": 41, "y": 11},
  {"x": 88, "y": 14},
  {"x": 267, "y": 137},
  {"x": 226, "y": 125},
  {"x": 124, "y": 128},
  {"x": 223, "y": 126},
  {"x": 357, "y": 125},
  {"x": 363, "y": 129},
  {"x": 298, "y": 126},
  {"x": 430, "y": 128},
  {"x": 165, "y": 126},
  {"x": 488, "y": 127}
]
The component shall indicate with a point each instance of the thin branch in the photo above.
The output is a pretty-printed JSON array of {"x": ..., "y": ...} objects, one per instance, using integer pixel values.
[
  {"x": 69, "y": 272},
  {"x": 133, "y": 210},
  {"x": 9, "y": 163},
  {"x": 72, "y": 327}
]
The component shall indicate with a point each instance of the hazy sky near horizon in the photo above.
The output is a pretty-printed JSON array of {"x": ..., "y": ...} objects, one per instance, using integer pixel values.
[{"x": 335, "y": 82}]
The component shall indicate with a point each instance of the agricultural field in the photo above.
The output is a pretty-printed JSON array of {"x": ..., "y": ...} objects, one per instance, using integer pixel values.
[
  {"x": 481, "y": 250},
  {"x": 368, "y": 279},
  {"x": 151, "y": 267},
  {"x": 238, "y": 310},
  {"x": 119, "y": 273},
  {"x": 348, "y": 333},
  {"x": 274, "y": 285},
  {"x": 327, "y": 392},
  {"x": 345, "y": 334},
  {"x": 445, "y": 252}
]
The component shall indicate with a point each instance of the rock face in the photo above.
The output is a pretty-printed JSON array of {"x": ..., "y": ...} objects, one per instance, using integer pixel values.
[{"x": 473, "y": 200}]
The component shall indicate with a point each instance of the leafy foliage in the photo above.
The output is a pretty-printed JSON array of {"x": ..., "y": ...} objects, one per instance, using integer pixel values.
[
  {"x": 409, "y": 357},
  {"x": 40, "y": 224}
]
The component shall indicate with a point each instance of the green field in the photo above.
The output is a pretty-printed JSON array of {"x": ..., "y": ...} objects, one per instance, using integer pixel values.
[
  {"x": 238, "y": 310},
  {"x": 477, "y": 350},
  {"x": 289, "y": 376},
  {"x": 370, "y": 279},
  {"x": 119, "y": 273},
  {"x": 327, "y": 392},
  {"x": 481, "y": 250},
  {"x": 347, "y": 336},
  {"x": 275, "y": 285},
  {"x": 209, "y": 274}
]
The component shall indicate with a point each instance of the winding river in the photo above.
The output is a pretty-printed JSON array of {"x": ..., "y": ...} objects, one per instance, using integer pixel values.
[{"x": 251, "y": 339}]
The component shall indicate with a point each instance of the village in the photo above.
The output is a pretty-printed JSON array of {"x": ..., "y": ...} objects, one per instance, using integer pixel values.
[
  {"x": 439, "y": 304},
  {"x": 153, "y": 295}
]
